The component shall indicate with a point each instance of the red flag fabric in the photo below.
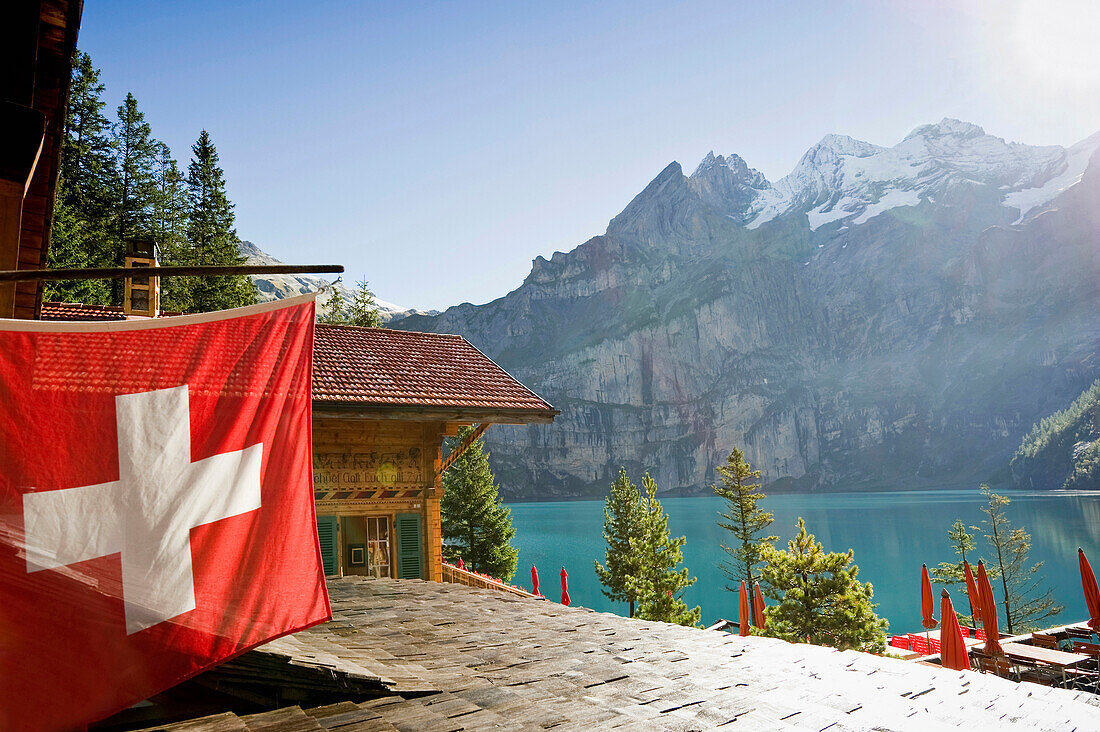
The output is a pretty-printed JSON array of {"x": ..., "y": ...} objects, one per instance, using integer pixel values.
[
  {"x": 156, "y": 504},
  {"x": 564, "y": 587},
  {"x": 746, "y": 614},
  {"x": 1088, "y": 585},
  {"x": 953, "y": 653}
]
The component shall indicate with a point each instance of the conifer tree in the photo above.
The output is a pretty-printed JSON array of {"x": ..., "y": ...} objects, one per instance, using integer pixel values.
[
  {"x": 211, "y": 234},
  {"x": 819, "y": 597},
  {"x": 476, "y": 524},
  {"x": 657, "y": 584},
  {"x": 962, "y": 542},
  {"x": 361, "y": 311},
  {"x": 743, "y": 518},
  {"x": 80, "y": 235},
  {"x": 622, "y": 519},
  {"x": 1026, "y": 600},
  {"x": 332, "y": 312},
  {"x": 169, "y": 224}
]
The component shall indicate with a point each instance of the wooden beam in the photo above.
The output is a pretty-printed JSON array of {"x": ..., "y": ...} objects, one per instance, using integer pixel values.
[
  {"x": 469, "y": 415},
  {"x": 462, "y": 447},
  {"x": 120, "y": 273}
]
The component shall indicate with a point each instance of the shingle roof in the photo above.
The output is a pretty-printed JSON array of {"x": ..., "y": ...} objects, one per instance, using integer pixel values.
[
  {"x": 376, "y": 367},
  {"x": 458, "y": 657}
]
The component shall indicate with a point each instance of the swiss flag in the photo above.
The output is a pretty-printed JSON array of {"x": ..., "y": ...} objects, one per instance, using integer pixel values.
[{"x": 156, "y": 504}]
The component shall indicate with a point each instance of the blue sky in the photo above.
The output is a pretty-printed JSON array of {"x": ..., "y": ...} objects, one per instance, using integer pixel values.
[{"x": 436, "y": 148}]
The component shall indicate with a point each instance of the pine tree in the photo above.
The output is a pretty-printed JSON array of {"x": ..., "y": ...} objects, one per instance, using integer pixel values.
[
  {"x": 819, "y": 597},
  {"x": 169, "y": 224},
  {"x": 476, "y": 524},
  {"x": 962, "y": 542},
  {"x": 80, "y": 236},
  {"x": 361, "y": 311},
  {"x": 135, "y": 184},
  {"x": 657, "y": 584},
  {"x": 622, "y": 519},
  {"x": 332, "y": 312},
  {"x": 743, "y": 518},
  {"x": 1026, "y": 599},
  {"x": 211, "y": 235}
]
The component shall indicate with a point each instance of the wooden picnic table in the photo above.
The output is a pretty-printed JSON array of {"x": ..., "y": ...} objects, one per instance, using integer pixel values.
[{"x": 1061, "y": 659}]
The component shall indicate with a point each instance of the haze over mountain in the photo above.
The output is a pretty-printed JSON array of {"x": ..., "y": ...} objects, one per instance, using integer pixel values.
[{"x": 880, "y": 317}]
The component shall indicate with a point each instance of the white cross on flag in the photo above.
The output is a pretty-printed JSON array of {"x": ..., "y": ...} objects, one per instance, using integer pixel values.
[{"x": 156, "y": 504}]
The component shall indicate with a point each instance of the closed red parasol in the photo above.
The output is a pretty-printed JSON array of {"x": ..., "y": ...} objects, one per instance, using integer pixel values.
[
  {"x": 974, "y": 595},
  {"x": 745, "y": 612},
  {"x": 534, "y": 581},
  {"x": 564, "y": 587},
  {"x": 1088, "y": 584},
  {"x": 953, "y": 653},
  {"x": 461, "y": 564},
  {"x": 989, "y": 613},
  {"x": 758, "y": 607},
  {"x": 927, "y": 621}
]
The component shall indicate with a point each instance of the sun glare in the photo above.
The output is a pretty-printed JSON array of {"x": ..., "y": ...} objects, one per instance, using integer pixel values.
[{"x": 1058, "y": 41}]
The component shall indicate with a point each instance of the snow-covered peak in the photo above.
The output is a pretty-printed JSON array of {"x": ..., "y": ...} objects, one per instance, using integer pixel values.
[
  {"x": 948, "y": 127},
  {"x": 841, "y": 177}
]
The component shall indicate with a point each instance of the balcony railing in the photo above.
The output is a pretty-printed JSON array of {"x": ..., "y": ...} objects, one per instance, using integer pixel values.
[{"x": 452, "y": 573}]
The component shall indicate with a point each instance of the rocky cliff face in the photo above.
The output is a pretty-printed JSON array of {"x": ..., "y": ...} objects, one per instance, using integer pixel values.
[{"x": 891, "y": 317}]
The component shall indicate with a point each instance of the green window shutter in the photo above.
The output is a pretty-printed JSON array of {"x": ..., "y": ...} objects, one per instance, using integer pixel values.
[
  {"x": 326, "y": 535},
  {"x": 407, "y": 528}
]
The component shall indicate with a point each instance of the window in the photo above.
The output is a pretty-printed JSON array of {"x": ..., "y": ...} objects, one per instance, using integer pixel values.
[{"x": 378, "y": 546}]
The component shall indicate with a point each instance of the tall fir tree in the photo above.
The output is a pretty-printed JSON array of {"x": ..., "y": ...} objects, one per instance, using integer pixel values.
[
  {"x": 476, "y": 524},
  {"x": 743, "y": 518},
  {"x": 622, "y": 519},
  {"x": 81, "y": 233},
  {"x": 213, "y": 240},
  {"x": 657, "y": 584},
  {"x": 1026, "y": 600},
  {"x": 819, "y": 597},
  {"x": 135, "y": 183},
  {"x": 169, "y": 224}
]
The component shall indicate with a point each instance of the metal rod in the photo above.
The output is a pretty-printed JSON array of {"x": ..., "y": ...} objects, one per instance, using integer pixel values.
[{"x": 120, "y": 273}]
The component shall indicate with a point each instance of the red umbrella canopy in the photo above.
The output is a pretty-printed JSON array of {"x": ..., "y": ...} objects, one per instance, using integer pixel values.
[
  {"x": 746, "y": 614},
  {"x": 927, "y": 621},
  {"x": 564, "y": 587},
  {"x": 989, "y": 613},
  {"x": 952, "y": 646},
  {"x": 461, "y": 565},
  {"x": 1088, "y": 584},
  {"x": 972, "y": 593},
  {"x": 758, "y": 606},
  {"x": 534, "y": 581}
]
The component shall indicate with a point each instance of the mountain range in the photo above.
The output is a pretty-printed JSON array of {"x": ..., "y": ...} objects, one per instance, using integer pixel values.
[
  {"x": 276, "y": 287},
  {"x": 881, "y": 317}
]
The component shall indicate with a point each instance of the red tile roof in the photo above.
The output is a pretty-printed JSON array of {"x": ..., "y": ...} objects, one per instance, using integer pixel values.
[
  {"x": 380, "y": 368},
  {"x": 394, "y": 370},
  {"x": 80, "y": 311}
]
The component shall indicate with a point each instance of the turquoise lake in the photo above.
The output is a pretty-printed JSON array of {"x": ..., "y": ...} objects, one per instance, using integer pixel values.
[{"x": 892, "y": 534}]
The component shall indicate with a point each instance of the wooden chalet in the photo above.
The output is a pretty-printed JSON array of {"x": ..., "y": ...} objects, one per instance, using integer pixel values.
[
  {"x": 383, "y": 402},
  {"x": 37, "y": 40}
]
